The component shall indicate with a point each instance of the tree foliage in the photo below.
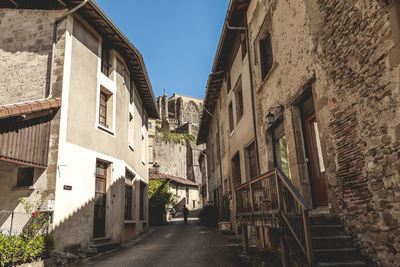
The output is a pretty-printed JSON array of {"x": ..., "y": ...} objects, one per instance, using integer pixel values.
[{"x": 159, "y": 198}]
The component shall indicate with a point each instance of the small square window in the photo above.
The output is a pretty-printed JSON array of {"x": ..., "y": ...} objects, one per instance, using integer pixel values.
[{"x": 25, "y": 176}]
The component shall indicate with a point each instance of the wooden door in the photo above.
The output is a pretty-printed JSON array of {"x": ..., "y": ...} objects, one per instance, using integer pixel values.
[
  {"x": 315, "y": 162},
  {"x": 99, "y": 225}
]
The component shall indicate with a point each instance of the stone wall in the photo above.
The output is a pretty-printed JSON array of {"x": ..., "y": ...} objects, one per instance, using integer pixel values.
[
  {"x": 357, "y": 52},
  {"x": 346, "y": 53},
  {"x": 25, "y": 53}
]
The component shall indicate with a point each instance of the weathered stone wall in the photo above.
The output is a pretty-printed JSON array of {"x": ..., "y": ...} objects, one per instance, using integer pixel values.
[
  {"x": 179, "y": 114},
  {"x": 348, "y": 54},
  {"x": 356, "y": 50},
  {"x": 25, "y": 52}
]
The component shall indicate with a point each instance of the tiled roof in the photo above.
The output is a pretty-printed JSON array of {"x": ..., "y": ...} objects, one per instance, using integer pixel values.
[
  {"x": 7, "y": 111},
  {"x": 176, "y": 179}
]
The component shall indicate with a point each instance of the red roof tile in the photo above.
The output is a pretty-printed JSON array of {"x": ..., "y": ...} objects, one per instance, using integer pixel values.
[{"x": 12, "y": 110}]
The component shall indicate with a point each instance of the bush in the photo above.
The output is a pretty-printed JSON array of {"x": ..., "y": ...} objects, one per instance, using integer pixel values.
[
  {"x": 209, "y": 215},
  {"x": 19, "y": 249}
]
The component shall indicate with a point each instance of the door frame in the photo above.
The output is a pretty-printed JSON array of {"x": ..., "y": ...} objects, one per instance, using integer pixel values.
[{"x": 309, "y": 156}]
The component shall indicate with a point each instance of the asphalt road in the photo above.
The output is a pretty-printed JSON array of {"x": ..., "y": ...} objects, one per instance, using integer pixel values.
[{"x": 177, "y": 244}]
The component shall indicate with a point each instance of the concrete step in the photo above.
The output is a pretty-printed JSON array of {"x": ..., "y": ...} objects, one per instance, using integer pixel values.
[
  {"x": 327, "y": 230},
  {"x": 327, "y": 242},
  {"x": 101, "y": 247},
  {"x": 354, "y": 263},
  {"x": 336, "y": 254},
  {"x": 324, "y": 220},
  {"x": 99, "y": 240}
]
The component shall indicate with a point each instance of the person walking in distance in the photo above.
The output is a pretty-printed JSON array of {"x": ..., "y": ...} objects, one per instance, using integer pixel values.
[{"x": 185, "y": 214}]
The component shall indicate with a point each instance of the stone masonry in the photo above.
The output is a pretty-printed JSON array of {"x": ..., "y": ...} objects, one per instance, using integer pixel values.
[{"x": 348, "y": 52}]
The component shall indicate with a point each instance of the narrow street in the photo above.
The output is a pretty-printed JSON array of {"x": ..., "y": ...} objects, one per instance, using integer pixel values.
[{"x": 177, "y": 244}]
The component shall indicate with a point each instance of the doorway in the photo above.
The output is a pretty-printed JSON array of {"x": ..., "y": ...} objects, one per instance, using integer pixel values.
[
  {"x": 99, "y": 225},
  {"x": 315, "y": 163}
]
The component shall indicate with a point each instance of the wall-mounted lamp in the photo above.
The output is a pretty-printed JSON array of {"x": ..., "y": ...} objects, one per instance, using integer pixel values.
[
  {"x": 270, "y": 116},
  {"x": 156, "y": 167}
]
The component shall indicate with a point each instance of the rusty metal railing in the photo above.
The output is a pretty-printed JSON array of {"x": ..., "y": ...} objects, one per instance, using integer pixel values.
[{"x": 273, "y": 192}]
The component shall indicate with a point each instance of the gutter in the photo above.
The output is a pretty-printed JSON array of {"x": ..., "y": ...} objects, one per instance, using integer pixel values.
[{"x": 53, "y": 48}]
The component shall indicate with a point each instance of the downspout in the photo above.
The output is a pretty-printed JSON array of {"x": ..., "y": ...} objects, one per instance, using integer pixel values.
[
  {"x": 245, "y": 29},
  {"x": 53, "y": 48}
]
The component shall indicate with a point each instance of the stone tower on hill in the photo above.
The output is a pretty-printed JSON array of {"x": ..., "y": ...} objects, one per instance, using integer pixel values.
[{"x": 172, "y": 137}]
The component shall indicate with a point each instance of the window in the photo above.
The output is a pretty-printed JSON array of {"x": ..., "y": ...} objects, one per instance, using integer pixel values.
[
  {"x": 25, "y": 176},
  {"x": 105, "y": 108},
  {"x": 105, "y": 59},
  {"x": 128, "y": 194},
  {"x": 131, "y": 136},
  {"x": 212, "y": 157},
  {"x": 128, "y": 202},
  {"x": 266, "y": 58},
  {"x": 243, "y": 44},
  {"x": 239, "y": 100},
  {"x": 176, "y": 192},
  {"x": 187, "y": 195},
  {"x": 144, "y": 143},
  {"x": 218, "y": 143},
  {"x": 228, "y": 81},
  {"x": 279, "y": 142},
  {"x": 142, "y": 195},
  {"x": 222, "y": 139},
  {"x": 230, "y": 117},
  {"x": 251, "y": 161},
  {"x": 236, "y": 172},
  {"x": 194, "y": 204}
]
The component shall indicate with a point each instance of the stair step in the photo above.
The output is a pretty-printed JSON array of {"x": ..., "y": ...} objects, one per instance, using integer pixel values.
[
  {"x": 327, "y": 230},
  {"x": 327, "y": 242},
  {"x": 105, "y": 246},
  {"x": 354, "y": 263},
  {"x": 324, "y": 220},
  {"x": 99, "y": 240},
  {"x": 333, "y": 254}
]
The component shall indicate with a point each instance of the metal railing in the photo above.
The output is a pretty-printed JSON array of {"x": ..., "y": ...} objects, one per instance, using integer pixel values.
[
  {"x": 14, "y": 223},
  {"x": 273, "y": 192}
]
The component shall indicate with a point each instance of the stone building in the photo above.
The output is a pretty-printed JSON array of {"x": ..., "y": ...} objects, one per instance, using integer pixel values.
[
  {"x": 325, "y": 83},
  {"x": 75, "y": 94},
  {"x": 172, "y": 137},
  {"x": 184, "y": 192}
]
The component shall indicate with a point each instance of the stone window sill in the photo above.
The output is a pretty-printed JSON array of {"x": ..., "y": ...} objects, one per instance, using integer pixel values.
[
  {"x": 131, "y": 147},
  {"x": 23, "y": 188},
  {"x": 105, "y": 129},
  {"x": 129, "y": 222},
  {"x": 274, "y": 66}
]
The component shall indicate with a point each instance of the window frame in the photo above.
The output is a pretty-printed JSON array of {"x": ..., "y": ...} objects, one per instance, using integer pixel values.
[
  {"x": 23, "y": 181},
  {"x": 266, "y": 57}
]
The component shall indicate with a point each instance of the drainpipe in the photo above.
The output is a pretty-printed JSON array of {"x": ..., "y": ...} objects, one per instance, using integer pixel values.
[
  {"x": 245, "y": 29},
  {"x": 53, "y": 48}
]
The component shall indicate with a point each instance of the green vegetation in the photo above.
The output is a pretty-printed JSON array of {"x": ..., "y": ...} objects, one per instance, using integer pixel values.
[
  {"x": 178, "y": 138},
  {"x": 32, "y": 244},
  {"x": 159, "y": 198},
  {"x": 22, "y": 249}
]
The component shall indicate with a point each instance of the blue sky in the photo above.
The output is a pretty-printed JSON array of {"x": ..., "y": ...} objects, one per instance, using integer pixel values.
[{"x": 177, "y": 38}]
